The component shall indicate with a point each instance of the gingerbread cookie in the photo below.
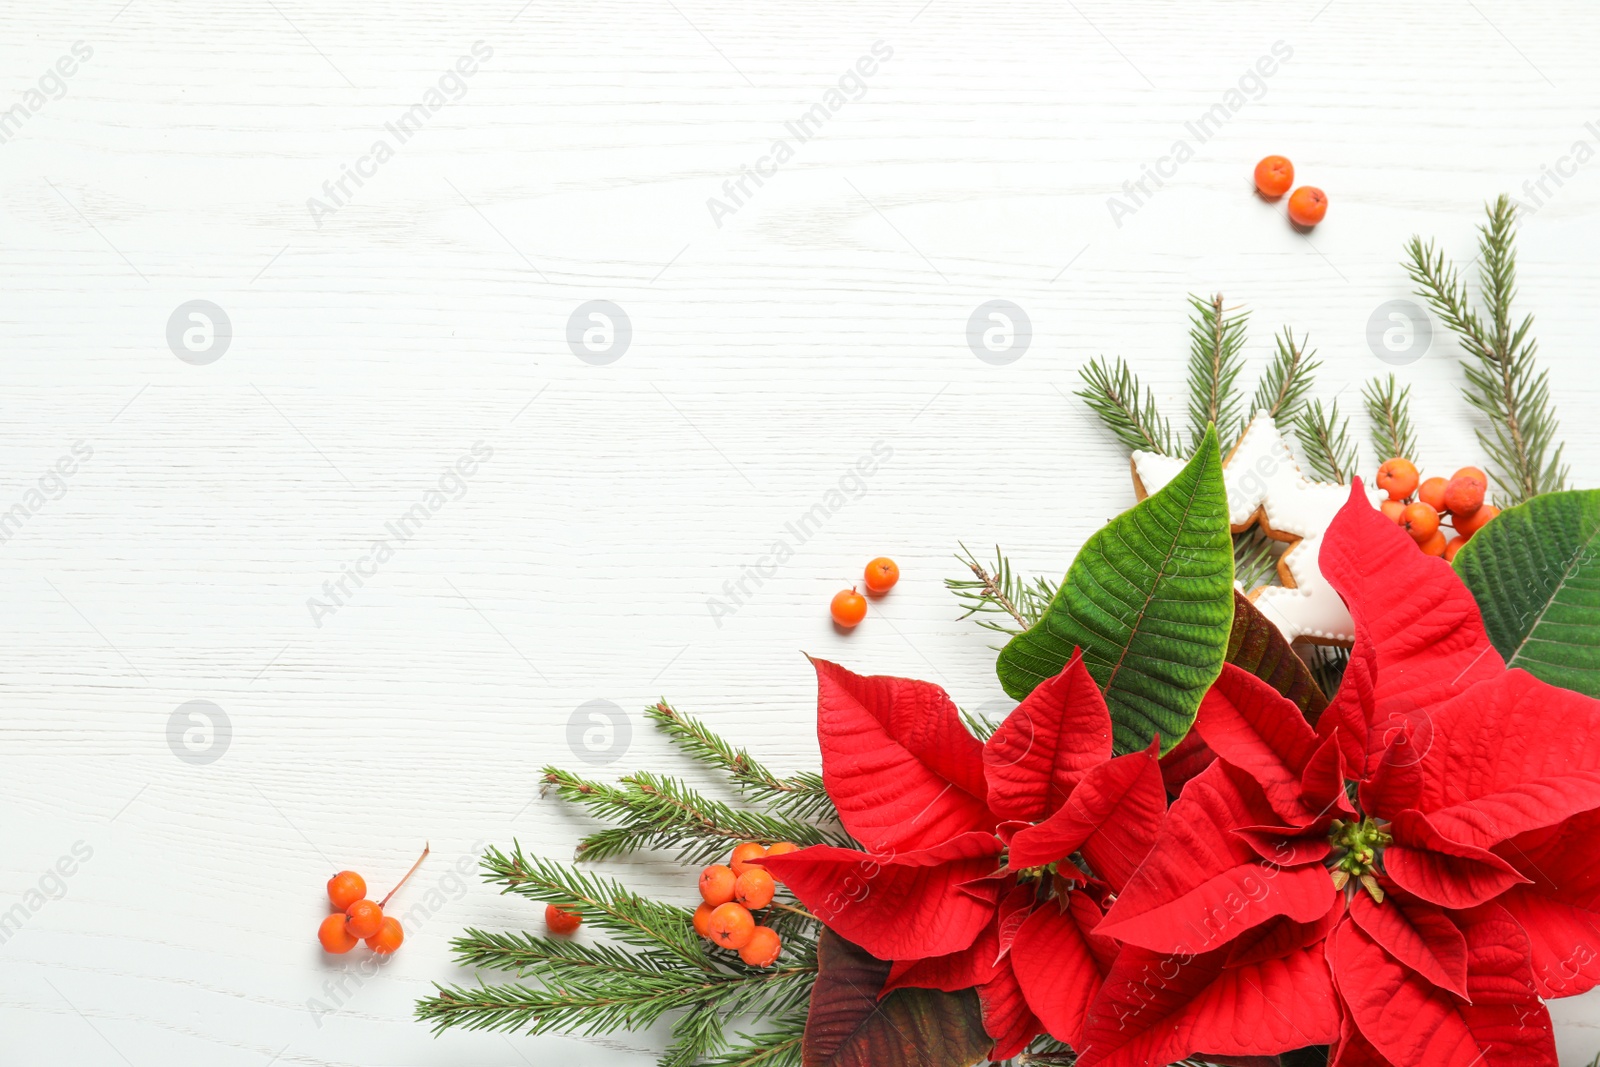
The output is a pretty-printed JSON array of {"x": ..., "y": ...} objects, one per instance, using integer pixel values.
[{"x": 1266, "y": 488}]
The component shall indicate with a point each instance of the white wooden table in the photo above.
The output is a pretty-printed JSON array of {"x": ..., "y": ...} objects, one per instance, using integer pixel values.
[{"x": 379, "y": 336}]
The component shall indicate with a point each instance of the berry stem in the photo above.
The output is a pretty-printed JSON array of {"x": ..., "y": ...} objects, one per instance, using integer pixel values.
[
  {"x": 803, "y": 913},
  {"x": 426, "y": 848}
]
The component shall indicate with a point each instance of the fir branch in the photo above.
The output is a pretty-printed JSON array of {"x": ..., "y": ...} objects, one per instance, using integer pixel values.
[
  {"x": 1283, "y": 388},
  {"x": 605, "y": 905},
  {"x": 1325, "y": 440},
  {"x": 576, "y": 986},
  {"x": 778, "y": 1046},
  {"x": 1255, "y": 561},
  {"x": 1126, "y": 408},
  {"x": 656, "y": 811},
  {"x": 1216, "y": 346},
  {"x": 998, "y": 591},
  {"x": 1503, "y": 382},
  {"x": 575, "y": 997},
  {"x": 1389, "y": 409},
  {"x": 522, "y": 953},
  {"x": 799, "y": 796},
  {"x": 697, "y": 1034}
]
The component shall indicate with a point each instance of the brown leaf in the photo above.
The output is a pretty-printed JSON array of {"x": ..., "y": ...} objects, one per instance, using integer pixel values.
[
  {"x": 848, "y": 1026},
  {"x": 1258, "y": 647}
]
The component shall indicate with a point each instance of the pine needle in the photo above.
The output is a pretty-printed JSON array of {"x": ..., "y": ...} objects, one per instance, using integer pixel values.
[
  {"x": 981, "y": 725},
  {"x": 605, "y": 904},
  {"x": 1325, "y": 440},
  {"x": 593, "y": 989},
  {"x": 654, "y": 966},
  {"x": 777, "y": 1047},
  {"x": 654, "y": 811},
  {"x": 1255, "y": 559},
  {"x": 998, "y": 591},
  {"x": 1389, "y": 409},
  {"x": 1503, "y": 379},
  {"x": 799, "y": 796},
  {"x": 1283, "y": 388},
  {"x": 1126, "y": 408},
  {"x": 1216, "y": 345}
]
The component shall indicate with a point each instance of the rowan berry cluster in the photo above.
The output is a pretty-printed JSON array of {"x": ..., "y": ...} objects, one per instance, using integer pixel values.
[
  {"x": 1421, "y": 507},
  {"x": 731, "y": 893},
  {"x": 355, "y": 918}
]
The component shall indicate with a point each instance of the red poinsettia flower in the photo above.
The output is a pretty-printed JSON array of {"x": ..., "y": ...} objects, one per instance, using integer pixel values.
[
  {"x": 1402, "y": 883},
  {"x": 1057, "y": 791},
  {"x": 906, "y": 776},
  {"x": 945, "y": 910}
]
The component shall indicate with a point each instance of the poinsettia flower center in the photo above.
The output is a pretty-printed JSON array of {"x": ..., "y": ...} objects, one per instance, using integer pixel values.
[{"x": 1357, "y": 849}]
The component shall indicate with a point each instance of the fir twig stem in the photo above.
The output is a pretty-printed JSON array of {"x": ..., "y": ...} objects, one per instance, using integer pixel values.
[
  {"x": 791, "y": 909},
  {"x": 1389, "y": 409},
  {"x": 1503, "y": 381},
  {"x": 997, "y": 591},
  {"x": 993, "y": 590},
  {"x": 1216, "y": 345}
]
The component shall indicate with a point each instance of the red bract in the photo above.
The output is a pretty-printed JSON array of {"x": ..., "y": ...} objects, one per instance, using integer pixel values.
[
  {"x": 901, "y": 768},
  {"x": 932, "y": 894},
  {"x": 1403, "y": 883},
  {"x": 907, "y": 779}
]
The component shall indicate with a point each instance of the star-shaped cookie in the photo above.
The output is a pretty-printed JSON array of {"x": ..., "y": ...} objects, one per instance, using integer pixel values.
[{"x": 1266, "y": 488}]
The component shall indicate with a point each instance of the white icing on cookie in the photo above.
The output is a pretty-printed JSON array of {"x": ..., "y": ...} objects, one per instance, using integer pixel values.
[{"x": 1265, "y": 486}]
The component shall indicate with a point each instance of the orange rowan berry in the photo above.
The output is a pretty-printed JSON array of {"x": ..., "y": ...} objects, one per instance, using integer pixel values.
[
  {"x": 1472, "y": 472},
  {"x": 732, "y": 925},
  {"x": 1468, "y": 525},
  {"x": 702, "y": 919},
  {"x": 1434, "y": 545},
  {"x": 560, "y": 921},
  {"x": 1451, "y": 547},
  {"x": 1420, "y": 521},
  {"x": 754, "y": 889},
  {"x": 345, "y": 888},
  {"x": 716, "y": 884},
  {"x": 1464, "y": 494},
  {"x": 363, "y": 918},
  {"x": 388, "y": 938},
  {"x": 1391, "y": 510},
  {"x": 783, "y": 848},
  {"x": 1307, "y": 205},
  {"x": 1274, "y": 175},
  {"x": 743, "y": 854},
  {"x": 881, "y": 575},
  {"x": 1431, "y": 493},
  {"x": 848, "y": 608},
  {"x": 1398, "y": 478},
  {"x": 334, "y": 937},
  {"x": 763, "y": 947}
]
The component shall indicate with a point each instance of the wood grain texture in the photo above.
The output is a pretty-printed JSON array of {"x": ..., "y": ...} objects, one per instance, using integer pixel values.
[{"x": 769, "y": 353}]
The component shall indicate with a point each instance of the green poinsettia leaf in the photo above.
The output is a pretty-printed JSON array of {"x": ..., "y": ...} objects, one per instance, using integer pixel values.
[
  {"x": 1260, "y": 648},
  {"x": 1535, "y": 572},
  {"x": 848, "y": 1026},
  {"x": 1150, "y": 601}
]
